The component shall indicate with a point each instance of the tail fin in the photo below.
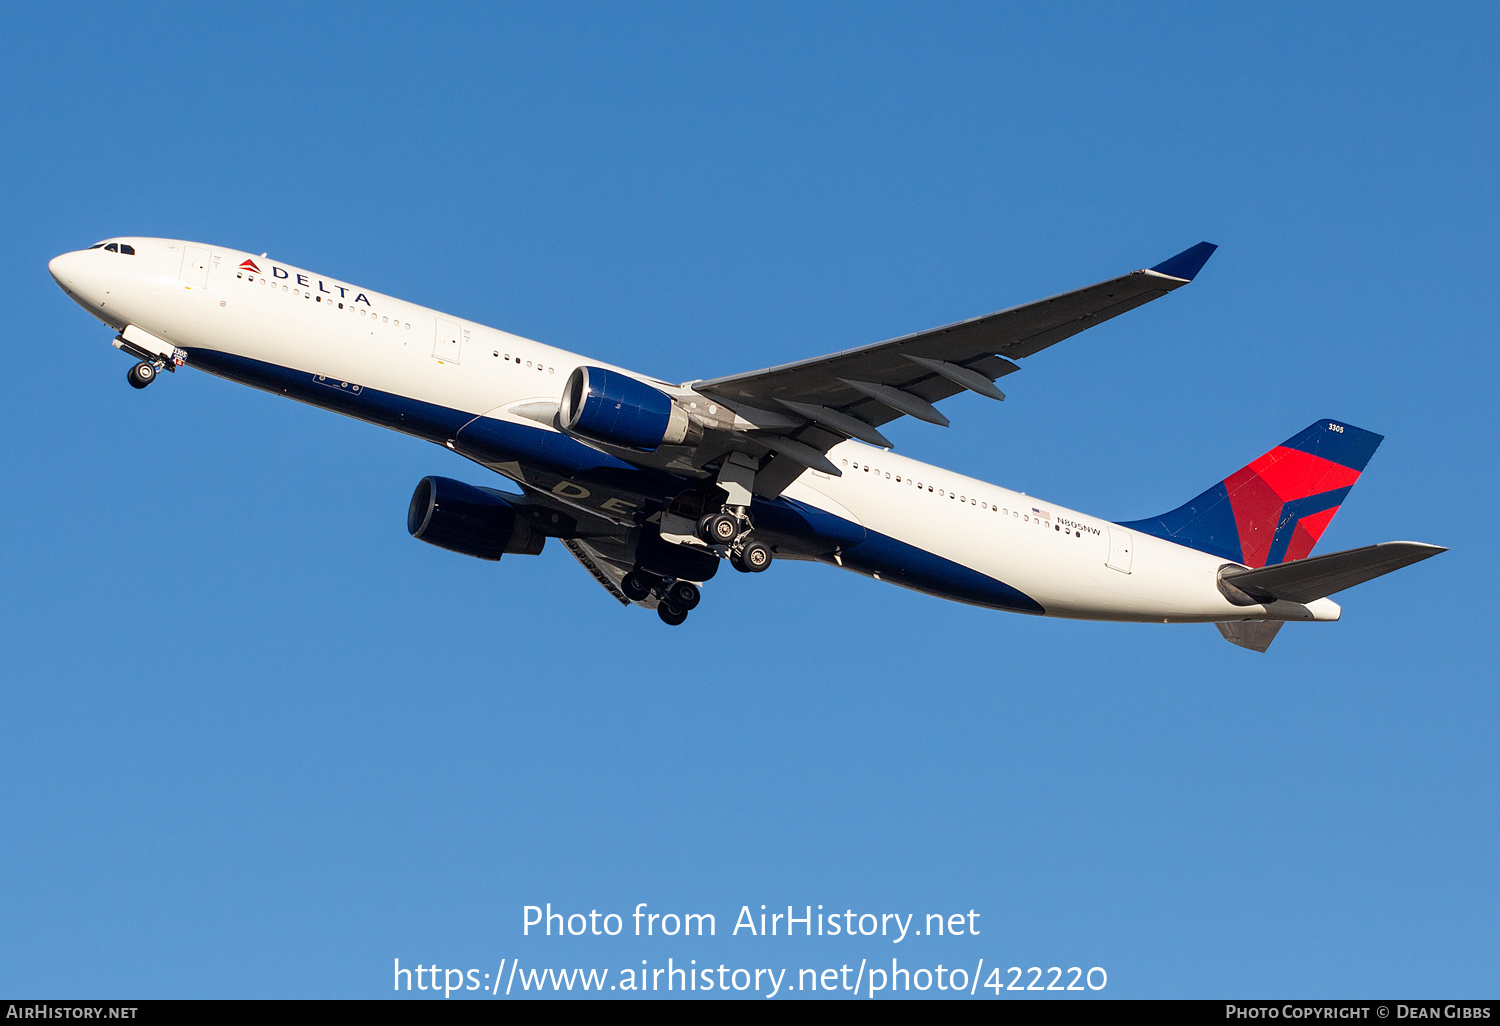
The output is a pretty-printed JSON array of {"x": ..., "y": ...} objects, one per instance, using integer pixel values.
[{"x": 1276, "y": 508}]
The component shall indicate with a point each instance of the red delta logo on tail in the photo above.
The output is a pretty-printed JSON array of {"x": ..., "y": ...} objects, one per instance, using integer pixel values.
[{"x": 1276, "y": 508}]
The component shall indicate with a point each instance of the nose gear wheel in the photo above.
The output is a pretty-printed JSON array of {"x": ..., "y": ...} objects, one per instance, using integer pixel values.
[{"x": 141, "y": 375}]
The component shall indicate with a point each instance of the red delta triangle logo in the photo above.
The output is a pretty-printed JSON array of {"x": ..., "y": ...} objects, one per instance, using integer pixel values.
[{"x": 249, "y": 265}]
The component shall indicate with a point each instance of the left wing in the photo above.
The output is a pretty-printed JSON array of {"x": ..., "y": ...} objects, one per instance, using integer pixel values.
[
  {"x": 601, "y": 569},
  {"x": 850, "y": 393}
]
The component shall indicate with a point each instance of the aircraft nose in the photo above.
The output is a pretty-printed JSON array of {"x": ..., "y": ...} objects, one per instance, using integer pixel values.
[
  {"x": 60, "y": 266},
  {"x": 79, "y": 276}
]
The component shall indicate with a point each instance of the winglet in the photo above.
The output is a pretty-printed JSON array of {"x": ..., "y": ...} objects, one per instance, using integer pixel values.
[{"x": 1188, "y": 263}]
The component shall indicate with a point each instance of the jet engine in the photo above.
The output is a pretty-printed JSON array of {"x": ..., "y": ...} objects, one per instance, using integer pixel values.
[
  {"x": 474, "y": 521},
  {"x": 614, "y": 408}
]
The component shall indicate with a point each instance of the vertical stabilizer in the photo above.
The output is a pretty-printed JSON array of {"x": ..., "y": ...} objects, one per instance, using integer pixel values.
[{"x": 1276, "y": 508}]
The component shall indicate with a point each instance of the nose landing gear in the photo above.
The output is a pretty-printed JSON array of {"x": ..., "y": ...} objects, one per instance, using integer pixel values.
[
  {"x": 154, "y": 356},
  {"x": 142, "y": 374}
]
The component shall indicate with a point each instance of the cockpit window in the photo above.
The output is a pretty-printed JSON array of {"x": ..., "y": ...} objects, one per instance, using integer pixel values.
[
  {"x": 112, "y": 248},
  {"x": 127, "y": 249},
  {"x": 97, "y": 245}
]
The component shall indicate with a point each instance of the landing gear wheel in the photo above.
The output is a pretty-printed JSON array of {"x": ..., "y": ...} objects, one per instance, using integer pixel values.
[
  {"x": 718, "y": 528},
  {"x": 141, "y": 375},
  {"x": 636, "y": 585},
  {"x": 671, "y": 614},
  {"x": 755, "y": 557},
  {"x": 684, "y": 595}
]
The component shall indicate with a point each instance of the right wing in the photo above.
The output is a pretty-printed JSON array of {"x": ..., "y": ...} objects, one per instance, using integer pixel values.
[{"x": 852, "y": 392}]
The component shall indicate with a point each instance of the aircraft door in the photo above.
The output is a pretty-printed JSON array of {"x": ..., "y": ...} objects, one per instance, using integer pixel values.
[
  {"x": 1120, "y": 545},
  {"x": 449, "y": 341},
  {"x": 194, "y": 266}
]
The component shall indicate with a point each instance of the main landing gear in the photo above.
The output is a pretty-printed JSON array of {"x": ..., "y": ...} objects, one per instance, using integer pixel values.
[
  {"x": 142, "y": 374},
  {"x": 675, "y": 599},
  {"x": 730, "y": 532}
]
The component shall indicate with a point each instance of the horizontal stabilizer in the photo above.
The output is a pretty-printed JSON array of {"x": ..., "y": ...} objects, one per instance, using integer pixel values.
[
  {"x": 1305, "y": 580},
  {"x": 1256, "y": 635}
]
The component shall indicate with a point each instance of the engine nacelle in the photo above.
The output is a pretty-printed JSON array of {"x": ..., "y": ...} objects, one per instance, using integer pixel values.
[
  {"x": 615, "y": 408},
  {"x": 474, "y": 521}
]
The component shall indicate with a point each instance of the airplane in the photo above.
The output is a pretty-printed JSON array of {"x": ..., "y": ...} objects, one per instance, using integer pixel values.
[{"x": 650, "y": 485}]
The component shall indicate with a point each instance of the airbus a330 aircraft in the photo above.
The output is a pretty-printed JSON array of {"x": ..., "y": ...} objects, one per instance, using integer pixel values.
[{"x": 651, "y": 484}]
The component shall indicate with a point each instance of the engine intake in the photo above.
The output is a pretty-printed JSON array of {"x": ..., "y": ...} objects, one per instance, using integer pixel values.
[
  {"x": 474, "y": 521},
  {"x": 614, "y": 408}
]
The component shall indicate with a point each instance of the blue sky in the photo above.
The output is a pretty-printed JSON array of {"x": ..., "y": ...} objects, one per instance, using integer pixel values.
[{"x": 256, "y": 741}]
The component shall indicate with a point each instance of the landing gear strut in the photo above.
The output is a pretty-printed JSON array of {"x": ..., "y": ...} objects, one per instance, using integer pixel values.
[
  {"x": 753, "y": 557},
  {"x": 142, "y": 374},
  {"x": 675, "y": 599},
  {"x": 719, "y": 528},
  {"x": 637, "y": 585},
  {"x": 685, "y": 595},
  {"x": 729, "y": 531}
]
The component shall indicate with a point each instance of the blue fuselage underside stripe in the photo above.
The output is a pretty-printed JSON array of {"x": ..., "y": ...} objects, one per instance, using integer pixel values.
[{"x": 810, "y": 530}]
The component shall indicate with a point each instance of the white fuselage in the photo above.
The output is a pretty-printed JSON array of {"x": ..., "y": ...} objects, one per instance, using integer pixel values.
[{"x": 207, "y": 301}]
